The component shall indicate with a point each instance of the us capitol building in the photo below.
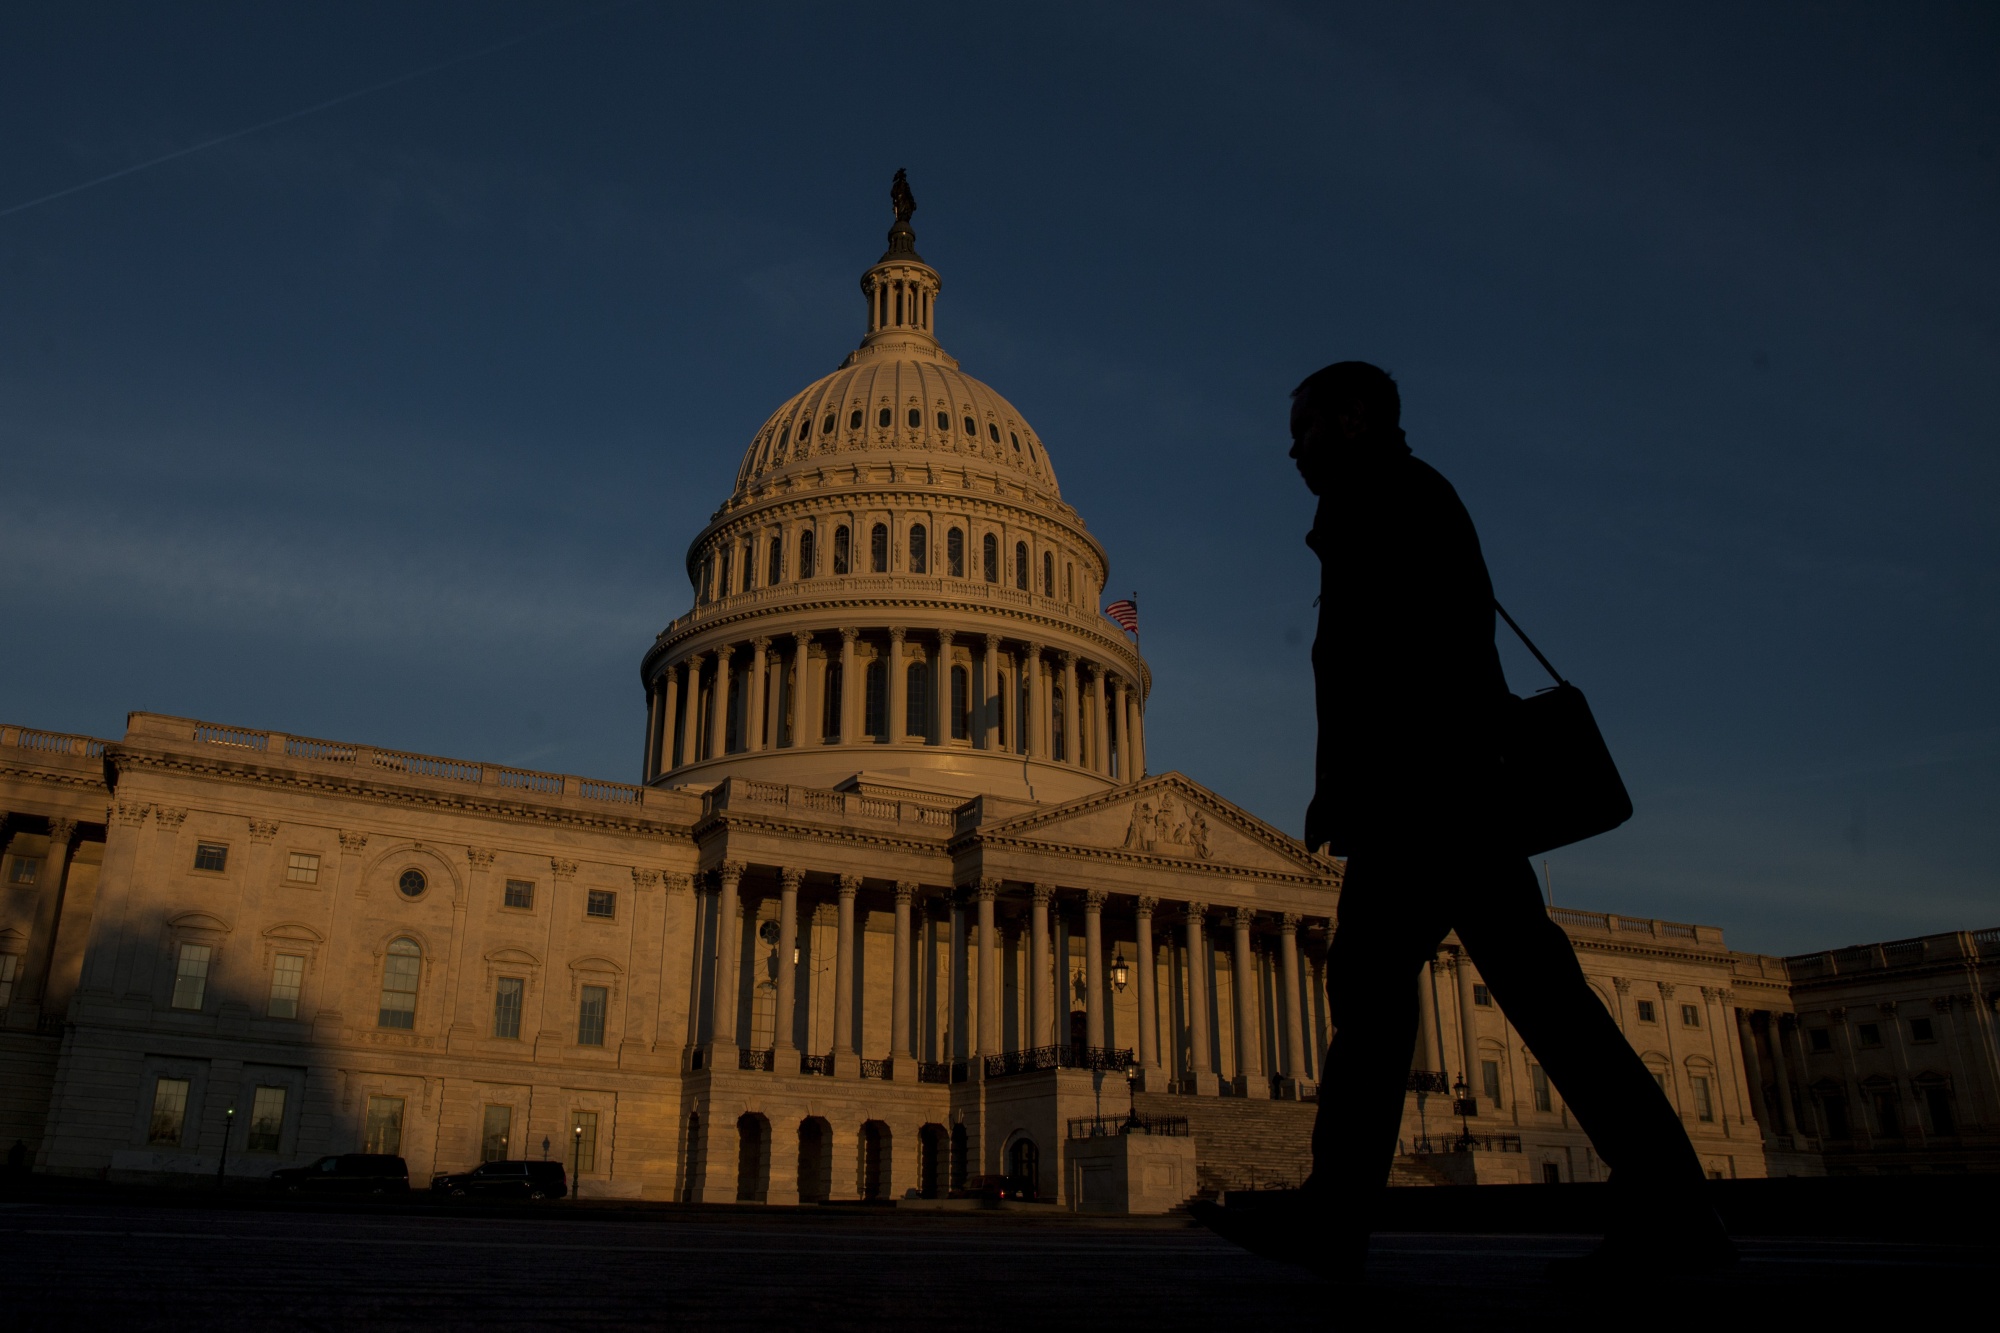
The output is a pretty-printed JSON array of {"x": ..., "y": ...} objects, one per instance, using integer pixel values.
[{"x": 900, "y": 907}]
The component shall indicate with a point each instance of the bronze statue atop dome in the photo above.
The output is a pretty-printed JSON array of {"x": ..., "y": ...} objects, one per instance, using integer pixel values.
[{"x": 900, "y": 197}]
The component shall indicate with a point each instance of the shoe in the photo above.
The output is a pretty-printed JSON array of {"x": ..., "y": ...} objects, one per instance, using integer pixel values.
[{"x": 1286, "y": 1236}]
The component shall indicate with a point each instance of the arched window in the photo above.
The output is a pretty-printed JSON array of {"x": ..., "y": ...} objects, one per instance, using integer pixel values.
[
  {"x": 944, "y": 421},
  {"x": 917, "y": 696},
  {"x": 400, "y": 973},
  {"x": 920, "y": 550},
  {"x": 826, "y": 427},
  {"x": 1021, "y": 566},
  {"x": 854, "y": 419},
  {"x": 840, "y": 551},
  {"x": 1048, "y": 574},
  {"x": 723, "y": 582},
  {"x": 875, "y": 699},
  {"x": 778, "y": 446},
  {"x": 1069, "y": 582},
  {"x": 993, "y": 432},
  {"x": 749, "y": 564},
  {"x": 806, "y": 554},
  {"x": 961, "y": 703},
  {"x": 776, "y": 568},
  {"x": 882, "y": 418},
  {"x": 1016, "y": 439},
  {"x": 1058, "y": 751},
  {"x": 992, "y": 554},
  {"x": 1021, "y": 713},
  {"x": 829, "y": 713},
  {"x": 805, "y": 427},
  {"x": 707, "y": 578},
  {"x": 954, "y": 553},
  {"x": 878, "y": 549},
  {"x": 916, "y": 417},
  {"x": 971, "y": 426}
]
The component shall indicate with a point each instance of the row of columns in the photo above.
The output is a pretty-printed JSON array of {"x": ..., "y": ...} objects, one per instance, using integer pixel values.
[
  {"x": 1249, "y": 1077},
  {"x": 1113, "y": 747},
  {"x": 51, "y": 886}
]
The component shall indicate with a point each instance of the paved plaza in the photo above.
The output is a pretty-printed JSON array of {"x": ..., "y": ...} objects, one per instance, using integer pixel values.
[{"x": 132, "y": 1261}]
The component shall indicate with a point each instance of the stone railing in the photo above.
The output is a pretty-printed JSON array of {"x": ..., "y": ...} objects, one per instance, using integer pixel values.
[
  {"x": 276, "y": 744},
  {"x": 744, "y": 793},
  {"x": 51, "y": 742},
  {"x": 1946, "y": 947},
  {"x": 1611, "y": 923}
]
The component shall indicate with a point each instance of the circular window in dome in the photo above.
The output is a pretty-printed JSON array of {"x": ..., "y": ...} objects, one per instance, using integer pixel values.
[
  {"x": 805, "y": 428},
  {"x": 1016, "y": 439},
  {"x": 854, "y": 420},
  {"x": 916, "y": 417},
  {"x": 882, "y": 418},
  {"x": 944, "y": 421},
  {"x": 993, "y": 431},
  {"x": 412, "y": 884},
  {"x": 971, "y": 426},
  {"x": 826, "y": 427}
]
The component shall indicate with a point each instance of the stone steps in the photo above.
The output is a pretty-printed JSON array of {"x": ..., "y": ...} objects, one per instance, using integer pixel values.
[{"x": 1240, "y": 1144}]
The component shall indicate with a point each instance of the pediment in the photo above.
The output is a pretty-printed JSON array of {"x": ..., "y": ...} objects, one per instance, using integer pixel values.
[
  {"x": 1168, "y": 818},
  {"x": 596, "y": 964},
  {"x": 294, "y": 932},
  {"x": 513, "y": 958},
  {"x": 199, "y": 921}
]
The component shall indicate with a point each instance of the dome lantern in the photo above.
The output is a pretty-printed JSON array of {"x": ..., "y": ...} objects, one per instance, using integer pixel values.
[{"x": 901, "y": 289}]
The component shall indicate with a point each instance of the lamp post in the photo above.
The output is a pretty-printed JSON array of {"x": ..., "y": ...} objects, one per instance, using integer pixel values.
[
  {"x": 1465, "y": 1106},
  {"x": 576, "y": 1166},
  {"x": 1121, "y": 972},
  {"x": 545, "y": 1147},
  {"x": 228, "y": 1120}
]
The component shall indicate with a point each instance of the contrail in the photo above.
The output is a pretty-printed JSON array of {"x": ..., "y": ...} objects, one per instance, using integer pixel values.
[{"x": 296, "y": 115}]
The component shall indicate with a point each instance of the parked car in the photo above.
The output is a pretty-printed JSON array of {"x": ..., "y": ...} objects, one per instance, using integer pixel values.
[
  {"x": 346, "y": 1173},
  {"x": 505, "y": 1180}
]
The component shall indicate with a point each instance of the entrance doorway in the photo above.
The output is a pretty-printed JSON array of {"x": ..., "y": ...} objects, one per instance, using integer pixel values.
[
  {"x": 815, "y": 1160},
  {"x": 874, "y": 1160},
  {"x": 753, "y": 1158},
  {"x": 931, "y": 1150},
  {"x": 1024, "y": 1169}
]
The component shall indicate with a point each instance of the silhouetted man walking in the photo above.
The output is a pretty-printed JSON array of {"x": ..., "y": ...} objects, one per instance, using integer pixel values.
[{"x": 1411, "y": 699}]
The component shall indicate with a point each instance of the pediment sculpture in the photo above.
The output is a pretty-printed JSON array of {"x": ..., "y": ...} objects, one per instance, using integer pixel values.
[{"x": 1168, "y": 826}]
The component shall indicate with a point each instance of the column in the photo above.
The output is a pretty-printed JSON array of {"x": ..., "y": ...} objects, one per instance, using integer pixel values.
[
  {"x": 1753, "y": 1070},
  {"x": 843, "y": 980},
  {"x": 1430, "y": 1045},
  {"x": 850, "y": 716},
  {"x": 899, "y": 686},
  {"x": 988, "y": 1025},
  {"x": 1468, "y": 1040},
  {"x": 1202, "y": 1060},
  {"x": 670, "y": 700},
  {"x": 785, "y": 1015},
  {"x": 1138, "y": 737},
  {"x": 718, "y": 705},
  {"x": 1784, "y": 1078},
  {"x": 805, "y": 699},
  {"x": 1038, "y": 715},
  {"x": 48, "y": 910},
  {"x": 1072, "y": 751},
  {"x": 1100, "y": 721},
  {"x": 729, "y": 944},
  {"x": 989, "y": 695},
  {"x": 691, "y": 713},
  {"x": 1142, "y": 973},
  {"x": 1093, "y": 969},
  {"x": 1040, "y": 995},
  {"x": 649, "y": 762},
  {"x": 900, "y": 1048},
  {"x": 1250, "y": 1078},
  {"x": 941, "y": 691},
  {"x": 1288, "y": 966},
  {"x": 1126, "y": 772},
  {"x": 753, "y": 710}
]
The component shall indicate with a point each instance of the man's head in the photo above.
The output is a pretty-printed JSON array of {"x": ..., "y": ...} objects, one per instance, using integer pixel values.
[{"x": 1347, "y": 405}]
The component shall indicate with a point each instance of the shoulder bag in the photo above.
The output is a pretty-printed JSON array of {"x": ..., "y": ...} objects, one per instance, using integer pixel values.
[{"x": 1561, "y": 784}]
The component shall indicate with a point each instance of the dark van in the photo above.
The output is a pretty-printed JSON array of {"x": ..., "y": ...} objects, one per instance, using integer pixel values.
[
  {"x": 346, "y": 1173},
  {"x": 505, "y": 1180}
]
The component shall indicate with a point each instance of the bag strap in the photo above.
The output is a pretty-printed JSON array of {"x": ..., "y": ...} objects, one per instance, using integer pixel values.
[{"x": 1530, "y": 642}]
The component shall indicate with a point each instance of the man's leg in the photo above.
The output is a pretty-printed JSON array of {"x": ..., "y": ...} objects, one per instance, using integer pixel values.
[{"x": 1389, "y": 921}]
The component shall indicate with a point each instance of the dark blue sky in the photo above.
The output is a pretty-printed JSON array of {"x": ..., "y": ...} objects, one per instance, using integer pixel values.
[{"x": 392, "y": 422}]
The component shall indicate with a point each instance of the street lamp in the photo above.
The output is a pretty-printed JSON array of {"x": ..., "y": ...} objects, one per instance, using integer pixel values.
[
  {"x": 545, "y": 1147},
  {"x": 576, "y": 1166},
  {"x": 228, "y": 1119},
  {"x": 1463, "y": 1103},
  {"x": 1120, "y": 972}
]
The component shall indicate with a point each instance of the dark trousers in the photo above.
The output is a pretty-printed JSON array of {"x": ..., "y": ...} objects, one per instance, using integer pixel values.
[{"x": 1395, "y": 909}]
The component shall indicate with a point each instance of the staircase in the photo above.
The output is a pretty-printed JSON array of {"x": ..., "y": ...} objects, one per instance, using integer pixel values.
[{"x": 1241, "y": 1144}]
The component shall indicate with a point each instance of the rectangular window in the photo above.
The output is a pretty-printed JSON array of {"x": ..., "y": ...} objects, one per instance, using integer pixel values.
[
  {"x": 1661, "y": 1079},
  {"x": 583, "y": 1141},
  {"x": 1920, "y": 1030},
  {"x": 1870, "y": 1034},
  {"x": 1489, "y": 1078},
  {"x": 1690, "y": 1016},
  {"x": 267, "y": 1119},
  {"x": 1645, "y": 1011},
  {"x": 1480, "y": 995},
  {"x": 494, "y": 1134},
  {"x": 288, "y": 971},
  {"x": 1704, "y": 1105},
  {"x": 601, "y": 903},
  {"x": 507, "y": 993},
  {"x": 519, "y": 893},
  {"x": 26, "y": 869},
  {"x": 211, "y": 856},
  {"x": 1552, "y": 1173},
  {"x": 1833, "y": 1114},
  {"x": 1538, "y": 1079},
  {"x": 1820, "y": 1040},
  {"x": 170, "y": 1099},
  {"x": 191, "y": 976},
  {"x": 302, "y": 868},
  {"x": 590, "y": 1016},
  {"x": 1888, "y": 1113},
  {"x": 383, "y": 1131},
  {"x": 10, "y": 968}
]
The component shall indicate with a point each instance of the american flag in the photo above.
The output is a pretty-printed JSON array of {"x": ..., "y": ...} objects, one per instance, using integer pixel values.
[{"x": 1126, "y": 612}]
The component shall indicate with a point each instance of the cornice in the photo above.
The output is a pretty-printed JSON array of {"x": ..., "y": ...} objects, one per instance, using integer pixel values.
[
  {"x": 390, "y": 793},
  {"x": 1216, "y": 869},
  {"x": 54, "y": 776},
  {"x": 726, "y": 820}
]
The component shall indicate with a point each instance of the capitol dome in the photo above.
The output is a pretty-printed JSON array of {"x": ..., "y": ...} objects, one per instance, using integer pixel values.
[{"x": 894, "y": 595}]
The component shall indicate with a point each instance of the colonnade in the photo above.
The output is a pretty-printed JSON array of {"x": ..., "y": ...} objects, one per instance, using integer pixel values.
[
  {"x": 813, "y": 688},
  {"x": 972, "y": 914}
]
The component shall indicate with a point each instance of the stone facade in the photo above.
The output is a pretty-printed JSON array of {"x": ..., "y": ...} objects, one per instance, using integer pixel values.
[{"x": 898, "y": 904}]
